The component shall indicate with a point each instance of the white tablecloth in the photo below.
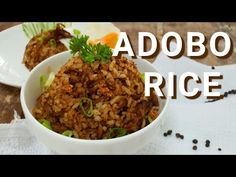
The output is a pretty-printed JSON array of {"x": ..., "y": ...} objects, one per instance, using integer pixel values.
[{"x": 195, "y": 119}]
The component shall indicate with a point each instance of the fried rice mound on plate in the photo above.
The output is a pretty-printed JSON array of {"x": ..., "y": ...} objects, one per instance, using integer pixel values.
[{"x": 44, "y": 45}]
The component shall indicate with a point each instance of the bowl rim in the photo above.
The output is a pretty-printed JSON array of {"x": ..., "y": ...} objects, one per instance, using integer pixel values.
[{"x": 30, "y": 117}]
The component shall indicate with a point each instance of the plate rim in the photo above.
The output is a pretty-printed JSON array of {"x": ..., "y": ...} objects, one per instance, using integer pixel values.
[{"x": 8, "y": 82}]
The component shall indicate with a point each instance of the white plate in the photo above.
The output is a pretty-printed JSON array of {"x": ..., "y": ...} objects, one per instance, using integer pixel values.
[{"x": 12, "y": 47}]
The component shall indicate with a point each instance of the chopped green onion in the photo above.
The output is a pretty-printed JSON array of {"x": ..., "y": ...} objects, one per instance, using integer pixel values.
[
  {"x": 150, "y": 119},
  {"x": 76, "y": 32},
  {"x": 89, "y": 104},
  {"x": 68, "y": 133},
  {"x": 45, "y": 123},
  {"x": 116, "y": 132},
  {"x": 46, "y": 82},
  {"x": 41, "y": 38},
  {"x": 50, "y": 79},
  {"x": 53, "y": 42},
  {"x": 42, "y": 80},
  {"x": 142, "y": 75}
]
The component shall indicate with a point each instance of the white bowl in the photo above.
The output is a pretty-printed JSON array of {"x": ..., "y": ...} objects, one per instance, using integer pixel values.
[{"x": 64, "y": 145}]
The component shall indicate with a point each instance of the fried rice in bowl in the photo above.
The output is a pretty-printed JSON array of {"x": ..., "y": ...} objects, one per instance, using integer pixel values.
[{"x": 97, "y": 108}]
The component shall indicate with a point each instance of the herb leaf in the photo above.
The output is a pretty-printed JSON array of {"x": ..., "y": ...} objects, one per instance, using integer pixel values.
[
  {"x": 76, "y": 32},
  {"x": 89, "y": 52}
]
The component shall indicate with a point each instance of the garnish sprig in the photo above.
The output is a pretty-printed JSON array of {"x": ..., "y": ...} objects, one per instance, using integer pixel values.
[{"x": 88, "y": 51}]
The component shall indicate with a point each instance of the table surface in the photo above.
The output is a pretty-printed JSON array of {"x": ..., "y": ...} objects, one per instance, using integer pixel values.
[{"x": 9, "y": 96}]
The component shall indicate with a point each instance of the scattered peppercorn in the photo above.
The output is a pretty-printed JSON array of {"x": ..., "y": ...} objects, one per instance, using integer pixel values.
[
  {"x": 207, "y": 143},
  {"x": 225, "y": 94},
  {"x": 212, "y": 67},
  {"x": 169, "y": 132},
  {"x": 194, "y": 147},
  {"x": 177, "y": 135},
  {"x": 195, "y": 141}
]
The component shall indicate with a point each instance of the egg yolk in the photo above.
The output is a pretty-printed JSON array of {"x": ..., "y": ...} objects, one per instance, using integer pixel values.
[{"x": 109, "y": 39}]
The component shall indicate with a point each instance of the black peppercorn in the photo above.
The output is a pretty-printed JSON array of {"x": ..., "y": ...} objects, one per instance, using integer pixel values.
[
  {"x": 207, "y": 143},
  {"x": 225, "y": 94},
  {"x": 195, "y": 141},
  {"x": 169, "y": 132},
  {"x": 194, "y": 147},
  {"x": 177, "y": 135},
  {"x": 165, "y": 134}
]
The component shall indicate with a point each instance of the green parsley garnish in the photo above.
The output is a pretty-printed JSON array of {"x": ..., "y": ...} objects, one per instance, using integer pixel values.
[
  {"x": 89, "y": 52},
  {"x": 76, "y": 32}
]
